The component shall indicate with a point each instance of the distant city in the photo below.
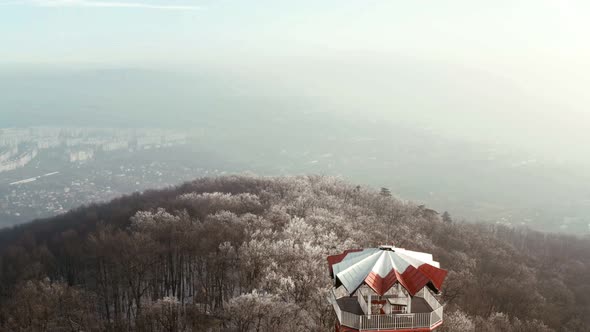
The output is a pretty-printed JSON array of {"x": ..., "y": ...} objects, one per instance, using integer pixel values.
[
  {"x": 18, "y": 147},
  {"x": 46, "y": 171}
]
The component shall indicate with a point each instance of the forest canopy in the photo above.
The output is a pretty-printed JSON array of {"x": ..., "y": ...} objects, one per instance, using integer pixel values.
[{"x": 246, "y": 253}]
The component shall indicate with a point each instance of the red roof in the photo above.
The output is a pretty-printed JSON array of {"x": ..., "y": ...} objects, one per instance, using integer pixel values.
[{"x": 381, "y": 268}]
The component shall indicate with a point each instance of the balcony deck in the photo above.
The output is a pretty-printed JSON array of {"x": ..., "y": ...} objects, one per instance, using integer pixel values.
[
  {"x": 351, "y": 304},
  {"x": 426, "y": 315}
]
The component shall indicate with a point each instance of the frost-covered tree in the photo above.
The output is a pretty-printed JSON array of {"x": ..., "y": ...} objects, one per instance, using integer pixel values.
[
  {"x": 250, "y": 253},
  {"x": 51, "y": 306},
  {"x": 457, "y": 321}
]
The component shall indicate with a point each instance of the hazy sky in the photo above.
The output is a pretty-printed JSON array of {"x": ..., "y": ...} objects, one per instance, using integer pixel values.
[
  {"x": 525, "y": 64},
  {"x": 166, "y": 31}
]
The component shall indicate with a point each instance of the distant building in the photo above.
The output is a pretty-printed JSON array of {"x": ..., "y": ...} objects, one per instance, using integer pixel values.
[
  {"x": 117, "y": 145},
  {"x": 149, "y": 142},
  {"x": 81, "y": 155},
  {"x": 7, "y": 153},
  {"x": 48, "y": 143},
  {"x": 20, "y": 161}
]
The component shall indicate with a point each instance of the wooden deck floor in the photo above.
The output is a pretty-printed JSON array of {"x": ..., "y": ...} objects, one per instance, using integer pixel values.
[{"x": 351, "y": 304}]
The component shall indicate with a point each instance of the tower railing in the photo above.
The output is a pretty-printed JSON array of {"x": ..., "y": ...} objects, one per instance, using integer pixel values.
[{"x": 391, "y": 321}]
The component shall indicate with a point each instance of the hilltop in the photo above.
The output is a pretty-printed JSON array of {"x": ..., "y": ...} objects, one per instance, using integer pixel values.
[{"x": 248, "y": 253}]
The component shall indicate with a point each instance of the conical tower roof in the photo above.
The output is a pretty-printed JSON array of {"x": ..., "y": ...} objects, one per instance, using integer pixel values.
[{"x": 381, "y": 268}]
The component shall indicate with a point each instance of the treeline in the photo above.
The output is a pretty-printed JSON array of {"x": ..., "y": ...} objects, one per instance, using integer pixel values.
[{"x": 248, "y": 254}]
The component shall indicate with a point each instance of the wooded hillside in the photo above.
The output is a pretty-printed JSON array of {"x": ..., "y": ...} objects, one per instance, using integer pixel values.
[{"x": 249, "y": 254}]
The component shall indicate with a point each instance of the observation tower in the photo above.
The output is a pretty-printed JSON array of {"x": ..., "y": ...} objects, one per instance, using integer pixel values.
[{"x": 386, "y": 289}]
